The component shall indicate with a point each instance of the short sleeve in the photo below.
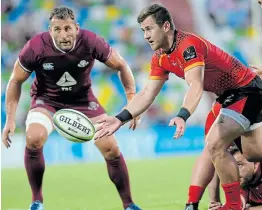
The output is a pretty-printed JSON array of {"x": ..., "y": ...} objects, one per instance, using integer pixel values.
[
  {"x": 102, "y": 50},
  {"x": 192, "y": 52},
  {"x": 157, "y": 72},
  {"x": 27, "y": 58}
]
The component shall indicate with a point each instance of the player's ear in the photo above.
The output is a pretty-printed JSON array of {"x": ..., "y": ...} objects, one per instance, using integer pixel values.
[
  {"x": 256, "y": 166},
  {"x": 77, "y": 27},
  {"x": 166, "y": 26},
  {"x": 49, "y": 29}
]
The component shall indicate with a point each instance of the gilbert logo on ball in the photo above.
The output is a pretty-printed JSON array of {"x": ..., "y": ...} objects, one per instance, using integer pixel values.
[{"x": 73, "y": 125}]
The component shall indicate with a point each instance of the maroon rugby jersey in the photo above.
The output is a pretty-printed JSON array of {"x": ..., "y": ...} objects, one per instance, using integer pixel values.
[
  {"x": 63, "y": 76},
  {"x": 253, "y": 194}
]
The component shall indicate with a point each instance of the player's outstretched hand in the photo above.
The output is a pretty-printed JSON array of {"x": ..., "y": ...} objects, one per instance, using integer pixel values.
[
  {"x": 134, "y": 123},
  {"x": 214, "y": 205},
  {"x": 107, "y": 126},
  {"x": 8, "y": 131},
  {"x": 258, "y": 69},
  {"x": 180, "y": 126}
]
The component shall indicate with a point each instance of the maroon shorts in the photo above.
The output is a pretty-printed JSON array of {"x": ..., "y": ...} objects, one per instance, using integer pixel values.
[{"x": 91, "y": 108}]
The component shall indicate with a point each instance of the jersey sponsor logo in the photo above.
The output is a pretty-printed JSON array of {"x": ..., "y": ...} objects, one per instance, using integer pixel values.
[
  {"x": 174, "y": 63},
  {"x": 82, "y": 63},
  {"x": 66, "y": 81},
  {"x": 189, "y": 53},
  {"x": 48, "y": 66}
]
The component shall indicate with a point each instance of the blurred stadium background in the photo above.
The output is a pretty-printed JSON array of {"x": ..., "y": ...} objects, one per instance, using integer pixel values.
[{"x": 76, "y": 176}]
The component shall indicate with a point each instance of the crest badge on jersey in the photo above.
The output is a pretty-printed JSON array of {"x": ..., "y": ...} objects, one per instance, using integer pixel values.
[
  {"x": 83, "y": 63},
  {"x": 92, "y": 105},
  {"x": 190, "y": 53},
  {"x": 48, "y": 66}
]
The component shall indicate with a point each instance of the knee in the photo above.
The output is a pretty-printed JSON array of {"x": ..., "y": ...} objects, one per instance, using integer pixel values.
[
  {"x": 111, "y": 153},
  {"x": 215, "y": 148},
  {"x": 35, "y": 140}
]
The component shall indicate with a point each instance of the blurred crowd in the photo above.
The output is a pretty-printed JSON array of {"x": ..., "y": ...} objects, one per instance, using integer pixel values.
[{"x": 115, "y": 20}]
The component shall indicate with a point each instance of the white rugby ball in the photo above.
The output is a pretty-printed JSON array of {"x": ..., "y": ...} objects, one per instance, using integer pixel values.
[{"x": 73, "y": 125}]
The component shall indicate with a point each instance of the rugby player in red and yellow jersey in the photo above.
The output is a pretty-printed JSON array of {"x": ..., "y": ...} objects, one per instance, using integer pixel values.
[{"x": 205, "y": 67}]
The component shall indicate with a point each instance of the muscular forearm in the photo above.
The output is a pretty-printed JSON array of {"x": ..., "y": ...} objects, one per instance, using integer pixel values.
[
  {"x": 127, "y": 79},
  {"x": 254, "y": 208},
  {"x": 213, "y": 189},
  {"x": 140, "y": 103},
  {"x": 13, "y": 93},
  {"x": 192, "y": 97}
]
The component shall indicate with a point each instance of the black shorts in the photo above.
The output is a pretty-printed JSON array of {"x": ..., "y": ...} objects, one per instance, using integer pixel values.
[{"x": 243, "y": 104}]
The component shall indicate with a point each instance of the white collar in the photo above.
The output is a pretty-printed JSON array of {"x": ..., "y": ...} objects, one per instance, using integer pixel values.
[{"x": 63, "y": 50}]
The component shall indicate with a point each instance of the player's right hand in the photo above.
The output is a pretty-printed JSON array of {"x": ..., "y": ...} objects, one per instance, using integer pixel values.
[
  {"x": 107, "y": 126},
  {"x": 8, "y": 131},
  {"x": 214, "y": 205},
  {"x": 180, "y": 126}
]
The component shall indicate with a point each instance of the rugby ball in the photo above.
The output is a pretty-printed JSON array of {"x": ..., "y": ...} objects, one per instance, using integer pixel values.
[{"x": 73, "y": 125}]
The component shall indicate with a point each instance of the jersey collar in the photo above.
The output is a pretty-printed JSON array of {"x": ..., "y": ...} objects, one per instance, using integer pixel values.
[
  {"x": 63, "y": 50},
  {"x": 172, "y": 48}
]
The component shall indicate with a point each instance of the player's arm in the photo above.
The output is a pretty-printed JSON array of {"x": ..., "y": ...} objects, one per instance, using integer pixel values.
[
  {"x": 194, "y": 78},
  {"x": 13, "y": 90},
  {"x": 254, "y": 208},
  {"x": 116, "y": 62},
  {"x": 142, "y": 101}
]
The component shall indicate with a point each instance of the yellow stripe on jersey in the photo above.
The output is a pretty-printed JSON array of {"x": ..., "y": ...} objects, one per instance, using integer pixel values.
[
  {"x": 194, "y": 65},
  {"x": 160, "y": 59},
  {"x": 158, "y": 77},
  {"x": 213, "y": 111}
]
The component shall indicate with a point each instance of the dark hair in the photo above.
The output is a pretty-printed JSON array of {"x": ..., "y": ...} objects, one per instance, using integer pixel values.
[
  {"x": 233, "y": 149},
  {"x": 158, "y": 12},
  {"x": 62, "y": 12}
]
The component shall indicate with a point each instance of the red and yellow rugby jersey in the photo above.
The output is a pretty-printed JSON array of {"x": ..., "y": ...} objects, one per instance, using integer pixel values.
[{"x": 222, "y": 71}]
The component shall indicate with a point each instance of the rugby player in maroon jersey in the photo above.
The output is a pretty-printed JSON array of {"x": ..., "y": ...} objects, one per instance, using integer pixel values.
[{"x": 62, "y": 59}]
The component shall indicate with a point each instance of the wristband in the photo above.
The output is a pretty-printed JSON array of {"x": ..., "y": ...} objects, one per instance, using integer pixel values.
[
  {"x": 124, "y": 116},
  {"x": 184, "y": 114}
]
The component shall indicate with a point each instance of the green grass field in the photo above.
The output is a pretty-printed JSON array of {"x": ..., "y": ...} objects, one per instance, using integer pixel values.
[{"x": 159, "y": 184}]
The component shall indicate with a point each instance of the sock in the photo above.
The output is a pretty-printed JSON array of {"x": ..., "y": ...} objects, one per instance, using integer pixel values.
[
  {"x": 118, "y": 173},
  {"x": 195, "y": 194},
  {"x": 35, "y": 168},
  {"x": 232, "y": 194}
]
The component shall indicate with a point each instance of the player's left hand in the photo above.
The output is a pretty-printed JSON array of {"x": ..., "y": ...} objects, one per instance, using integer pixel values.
[
  {"x": 258, "y": 69},
  {"x": 214, "y": 205},
  {"x": 106, "y": 126},
  {"x": 180, "y": 126}
]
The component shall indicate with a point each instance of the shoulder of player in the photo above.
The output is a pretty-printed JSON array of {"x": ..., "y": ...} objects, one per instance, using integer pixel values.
[
  {"x": 39, "y": 41},
  {"x": 88, "y": 36},
  {"x": 188, "y": 39}
]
